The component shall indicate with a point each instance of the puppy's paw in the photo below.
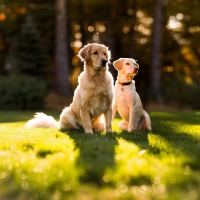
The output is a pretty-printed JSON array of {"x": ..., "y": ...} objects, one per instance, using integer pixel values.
[
  {"x": 134, "y": 129},
  {"x": 130, "y": 129},
  {"x": 89, "y": 131},
  {"x": 123, "y": 125},
  {"x": 109, "y": 130}
]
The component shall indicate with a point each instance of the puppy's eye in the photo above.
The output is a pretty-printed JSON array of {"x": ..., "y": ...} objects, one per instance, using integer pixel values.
[
  {"x": 104, "y": 54},
  {"x": 95, "y": 53},
  {"x": 127, "y": 64}
]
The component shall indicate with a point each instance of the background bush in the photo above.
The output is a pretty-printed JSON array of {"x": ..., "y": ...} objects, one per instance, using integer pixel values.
[
  {"x": 29, "y": 52},
  {"x": 22, "y": 92},
  {"x": 178, "y": 92}
]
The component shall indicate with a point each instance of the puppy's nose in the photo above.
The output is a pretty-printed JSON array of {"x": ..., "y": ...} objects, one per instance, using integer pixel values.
[
  {"x": 136, "y": 70},
  {"x": 103, "y": 62}
]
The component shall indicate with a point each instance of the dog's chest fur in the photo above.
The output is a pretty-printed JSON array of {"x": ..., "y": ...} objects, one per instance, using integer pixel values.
[
  {"x": 96, "y": 93},
  {"x": 127, "y": 98},
  {"x": 124, "y": 94},
  {"x": 98, "y": 105},
  {"x": 124, "y": 97},
  {"x": 99, "y": 100}
]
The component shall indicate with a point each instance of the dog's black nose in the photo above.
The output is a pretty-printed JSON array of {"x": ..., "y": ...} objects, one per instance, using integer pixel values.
[{"x": 103, "y": 63}]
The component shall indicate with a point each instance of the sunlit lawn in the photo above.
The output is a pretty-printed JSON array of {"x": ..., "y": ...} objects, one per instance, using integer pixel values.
[{"x": 47, "y": 164}]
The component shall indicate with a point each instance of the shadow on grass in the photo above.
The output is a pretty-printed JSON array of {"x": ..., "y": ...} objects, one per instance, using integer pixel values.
[
  {"x": 168, "y": 126},
  {"x": 168, "y": 141},
  {"x": 181, "y": 143},
  {"x": 140, "y": 138},
  {"x": 94, "y": 156}
]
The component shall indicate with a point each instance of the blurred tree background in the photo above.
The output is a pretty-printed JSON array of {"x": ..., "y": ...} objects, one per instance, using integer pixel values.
[{"x": 40, "y": 40}]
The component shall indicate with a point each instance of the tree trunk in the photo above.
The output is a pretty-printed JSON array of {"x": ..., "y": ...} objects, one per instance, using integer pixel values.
[
  {"x": 111, "y": 40},
  {"x": 133, "y": 21},
  {"x": 81, "y": 17},
  {"x": 155, "y": 58},
  {"x": 61, "y": 53}
]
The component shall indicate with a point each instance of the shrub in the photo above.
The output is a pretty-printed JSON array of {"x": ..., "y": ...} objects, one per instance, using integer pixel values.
[
  {"x": 177, "y": 91},
  {"x": 22, "y": 92},
  {"x": 30, "y": 52}
]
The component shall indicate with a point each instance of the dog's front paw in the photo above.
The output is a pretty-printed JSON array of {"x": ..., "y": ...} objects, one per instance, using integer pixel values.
[
  {"x": 109, "y": 130},
  {"x": 130, "y": 129},
  {"x": 89, "y": 131}
]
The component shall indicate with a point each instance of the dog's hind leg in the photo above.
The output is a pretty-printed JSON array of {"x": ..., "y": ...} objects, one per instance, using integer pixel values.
[
  {"x": 145, "y": 122},
  {"x": 123, "y": 125},
  {"x": 98, "y": 124},
  {"x": 68, "y": 120}
]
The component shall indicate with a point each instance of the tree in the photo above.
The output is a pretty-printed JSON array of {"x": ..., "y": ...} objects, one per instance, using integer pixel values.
[
  {"x": 133, "y": 22},
  {"x": 155, "y": 58},
  {"x": 61, "y": 54},
  {"x": 30, "y": 52},
  {"x": 81, "y": 14}
]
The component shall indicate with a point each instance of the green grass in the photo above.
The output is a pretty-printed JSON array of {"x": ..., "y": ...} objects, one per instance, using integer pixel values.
[{"x": 47, "y": 164}]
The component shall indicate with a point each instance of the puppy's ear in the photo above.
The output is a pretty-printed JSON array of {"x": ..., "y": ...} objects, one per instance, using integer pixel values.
[
  {"x": 84, "y": 53},
  {"x": 118, "y": 64}
]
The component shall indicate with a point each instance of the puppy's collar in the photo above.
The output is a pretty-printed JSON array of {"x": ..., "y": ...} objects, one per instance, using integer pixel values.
[{"x": 123, "y": 84}]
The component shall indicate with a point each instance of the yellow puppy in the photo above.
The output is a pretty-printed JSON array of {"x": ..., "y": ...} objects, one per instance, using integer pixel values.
[
  {"x": 92, "y": 97},
  {"x": 127, "y": 101}
]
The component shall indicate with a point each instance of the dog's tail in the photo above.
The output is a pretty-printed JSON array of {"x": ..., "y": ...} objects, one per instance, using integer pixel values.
[
  {"x": 145, "y": 121},
  {"x": 42, "y": 120}
]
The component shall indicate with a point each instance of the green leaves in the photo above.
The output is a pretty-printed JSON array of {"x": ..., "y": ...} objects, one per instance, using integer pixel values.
[{"x": 22, "y": 92}]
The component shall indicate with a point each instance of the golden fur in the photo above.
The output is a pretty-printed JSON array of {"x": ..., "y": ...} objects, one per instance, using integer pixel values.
[
  {"x": 93, "y": 95},
  {"x": 127, "y": 101}
]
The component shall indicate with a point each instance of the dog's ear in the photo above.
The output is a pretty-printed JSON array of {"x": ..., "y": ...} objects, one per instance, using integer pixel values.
[
  {"x": 118, "y": 64},
  {"x": 84, "y": 53},
  {"x": 108, "y": 54}
]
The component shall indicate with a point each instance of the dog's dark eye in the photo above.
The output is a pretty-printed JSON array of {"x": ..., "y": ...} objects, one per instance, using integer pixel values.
[
  {"x": 127, "y": 64},
  {"x": 95, "y": 53},
  {"x": 104, "y": 54}
]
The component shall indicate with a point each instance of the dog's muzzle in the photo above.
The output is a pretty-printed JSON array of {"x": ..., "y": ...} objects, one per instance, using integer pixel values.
[
  {"x": 103, "y": 63},
  {"x": 136, "y": 70}
]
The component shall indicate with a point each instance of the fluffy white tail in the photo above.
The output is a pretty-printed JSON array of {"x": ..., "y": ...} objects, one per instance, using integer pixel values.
[{"x": 42, "y": 120}]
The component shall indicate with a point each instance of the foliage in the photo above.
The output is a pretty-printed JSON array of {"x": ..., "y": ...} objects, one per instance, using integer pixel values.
[
  {"x": 88, "y": 22},
  {"x": 21, "y": 92},
  {"x": 29, "y": 51},
  {"x": 48, "y": 164},
  {"x": 178, "y": 92}
]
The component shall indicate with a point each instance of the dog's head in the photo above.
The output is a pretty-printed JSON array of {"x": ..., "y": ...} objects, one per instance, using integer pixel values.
[
  {"x": 127, "y": 66},
  {"x": 96, "y": 55}
]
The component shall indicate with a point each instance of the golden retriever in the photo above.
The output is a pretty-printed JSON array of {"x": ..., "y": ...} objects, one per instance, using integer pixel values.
[
  {"x": 127, "y": 101},
  {"x": 91, "y": 108}
]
